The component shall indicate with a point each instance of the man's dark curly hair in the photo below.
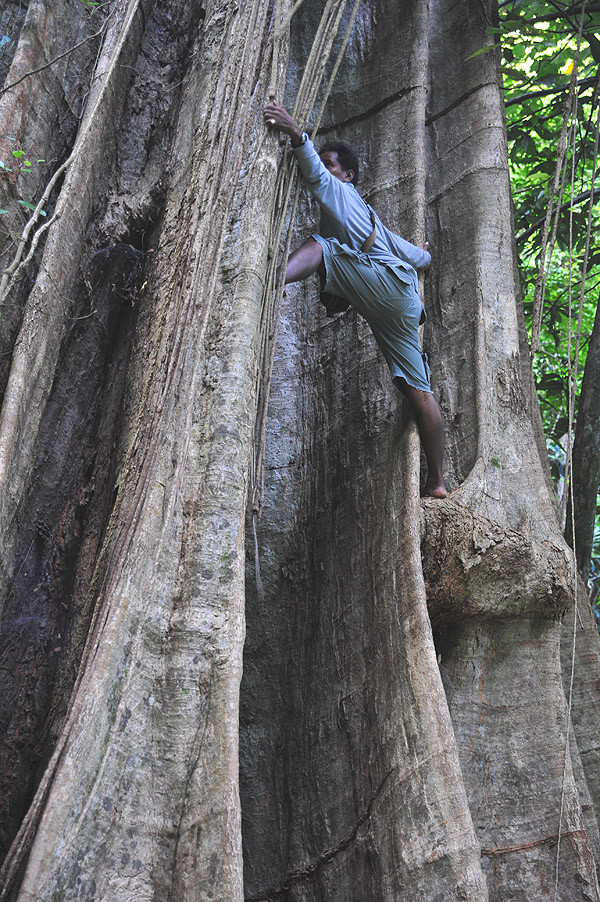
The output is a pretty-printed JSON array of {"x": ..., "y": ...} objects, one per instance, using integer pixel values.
[{"x": 347, "y": 157}]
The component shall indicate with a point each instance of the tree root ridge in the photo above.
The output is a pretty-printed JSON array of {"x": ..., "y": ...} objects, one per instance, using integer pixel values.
[
  {"x": 311, "y": 871},
  {"x": 197, "y": 749},
  {"x": 528, "y": 574}
]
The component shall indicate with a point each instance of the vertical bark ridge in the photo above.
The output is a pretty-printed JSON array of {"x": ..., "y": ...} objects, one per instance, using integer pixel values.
[
  {"x": 44, "y": 130},
  {"x": 165, "y": 649},
  {"x": 61, "y": 526},
  {"x": 357, "y": 714},
  {"x": 586, "y": 703},
  {"x": 586, "y": 456},
  {"x": 49, "y": 306},
  {"x": 498, "y": 719}
]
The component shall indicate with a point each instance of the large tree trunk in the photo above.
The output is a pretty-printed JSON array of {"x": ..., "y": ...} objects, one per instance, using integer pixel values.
[
  {"x": 586, "y": 457},
  {"x": 379, "y": 758}
]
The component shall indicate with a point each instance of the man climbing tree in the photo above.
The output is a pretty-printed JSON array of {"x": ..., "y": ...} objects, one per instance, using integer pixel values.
[{"x": 374, "y": 270}]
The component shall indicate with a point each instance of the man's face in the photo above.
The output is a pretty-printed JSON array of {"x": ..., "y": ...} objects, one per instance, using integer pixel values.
[{"x": 330, "y": 160}]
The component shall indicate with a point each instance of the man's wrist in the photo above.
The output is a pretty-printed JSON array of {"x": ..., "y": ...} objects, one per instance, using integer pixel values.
[{"x": 298, "y": 138}]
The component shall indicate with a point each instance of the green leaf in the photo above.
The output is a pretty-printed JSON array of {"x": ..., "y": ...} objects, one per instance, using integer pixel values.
[
  {"x": 512, "y": 73},
  {"x": 29, "y": 206},
  {"x": 552, "y": 383},
  {"x": 560, "y": 428},
  {"x": 481, "y": 51}
]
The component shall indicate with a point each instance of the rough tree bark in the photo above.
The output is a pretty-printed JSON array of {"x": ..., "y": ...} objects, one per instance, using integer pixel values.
[{"x": 402, "y": 723}]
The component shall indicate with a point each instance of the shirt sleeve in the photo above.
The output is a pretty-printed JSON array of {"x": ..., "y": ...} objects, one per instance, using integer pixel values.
[
  {"x": 418, "y": 257},
  {"x": 336, "y": 200},
  {"x": 331, "y": 193}
]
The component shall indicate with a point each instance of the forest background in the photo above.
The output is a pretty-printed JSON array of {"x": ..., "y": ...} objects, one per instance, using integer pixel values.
[{"x": 541, "y": 57}]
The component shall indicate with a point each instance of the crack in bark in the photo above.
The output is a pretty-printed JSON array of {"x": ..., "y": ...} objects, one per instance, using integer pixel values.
[
  {"x": 311, "y": 871},
  {"x": 372, "y": 110},
  {"x": 459, "y": 100},
  {"x": 535, "y": 843}
]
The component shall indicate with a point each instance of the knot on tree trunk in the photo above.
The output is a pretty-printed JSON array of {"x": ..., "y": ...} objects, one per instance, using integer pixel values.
[{"x": 476, "y": 567}]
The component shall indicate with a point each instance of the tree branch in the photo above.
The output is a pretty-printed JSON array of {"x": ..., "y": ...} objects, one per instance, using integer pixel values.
[{"x": 584, "y": 83}]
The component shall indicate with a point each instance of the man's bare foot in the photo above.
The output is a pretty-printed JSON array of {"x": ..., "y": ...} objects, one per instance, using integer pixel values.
[{"x": 435, "y": 491}]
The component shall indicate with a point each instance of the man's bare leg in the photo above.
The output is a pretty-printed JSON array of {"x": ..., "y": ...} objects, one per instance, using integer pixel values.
[
  {"x": 431, "y": 429},
  {"x": 304, "y": 261}
]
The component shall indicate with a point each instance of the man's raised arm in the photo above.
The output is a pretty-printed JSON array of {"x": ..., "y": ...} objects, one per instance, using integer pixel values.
[{"x": 329, "y": 191}]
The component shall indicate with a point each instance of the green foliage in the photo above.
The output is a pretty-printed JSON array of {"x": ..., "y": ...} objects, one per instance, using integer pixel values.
[
  {"x": 19, "y": 164},
  {"x": 539, "y": 47}
]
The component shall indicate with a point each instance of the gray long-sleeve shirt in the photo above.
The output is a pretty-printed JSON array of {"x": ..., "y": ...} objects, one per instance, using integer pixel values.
[{"x": 346, "y": 216}]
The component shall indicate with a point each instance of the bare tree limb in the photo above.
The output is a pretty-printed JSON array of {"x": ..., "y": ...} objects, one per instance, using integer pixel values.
[{"x": 545, "y": 92}]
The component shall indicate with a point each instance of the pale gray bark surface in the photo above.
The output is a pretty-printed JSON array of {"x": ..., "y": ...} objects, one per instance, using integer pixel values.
[{"x": 378, "y": 759}]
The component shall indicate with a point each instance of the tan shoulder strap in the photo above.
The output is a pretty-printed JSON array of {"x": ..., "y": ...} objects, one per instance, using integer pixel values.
[{"x": 371, "y": 239}]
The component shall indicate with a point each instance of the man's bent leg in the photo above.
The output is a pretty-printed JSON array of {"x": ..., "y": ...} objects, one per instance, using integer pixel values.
[
  {"x": 304, "y": 261},
  {"x": 431, "y": 429}
]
